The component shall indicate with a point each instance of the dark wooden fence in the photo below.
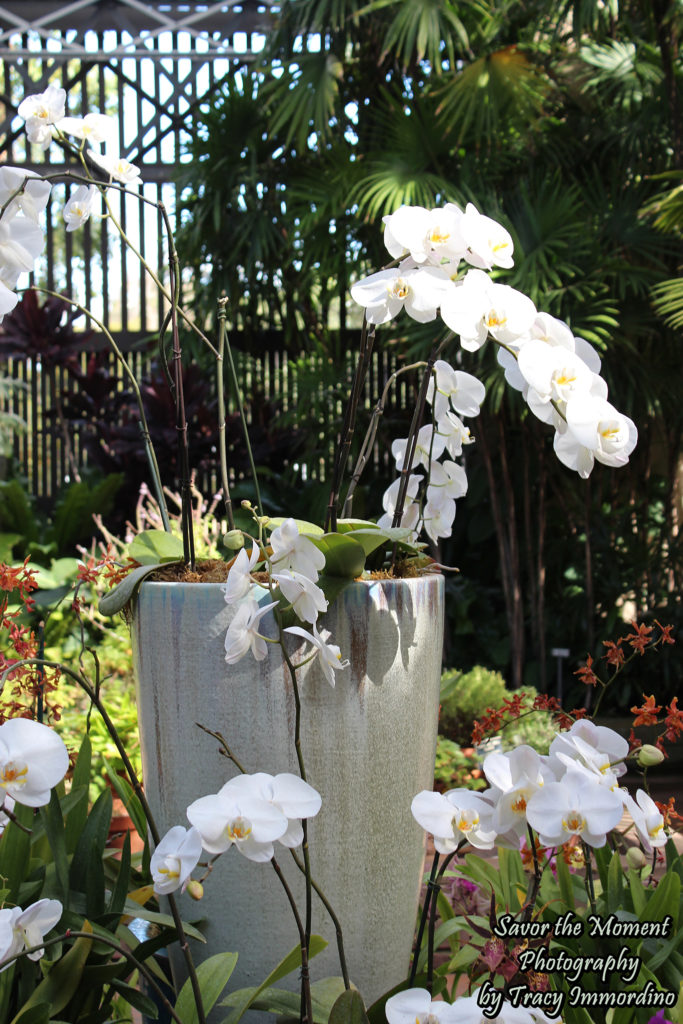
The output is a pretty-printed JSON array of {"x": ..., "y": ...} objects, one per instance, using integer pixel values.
[{"x": 304, "y": 389}]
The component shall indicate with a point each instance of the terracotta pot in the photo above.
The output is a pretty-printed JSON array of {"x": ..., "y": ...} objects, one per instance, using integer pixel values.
[{"x": 368, "y": 745}]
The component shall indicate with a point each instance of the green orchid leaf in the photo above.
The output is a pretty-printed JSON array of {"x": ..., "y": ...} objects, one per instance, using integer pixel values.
[
  {"x": 245, "y": 997},
  {"x": 344, "y": 556},
  {"x": 63, "y": 980},
  {"x": 154, "y": 546},
  {"x": 213, "y": 975},
  {"x": 349, "y": 525},
  {"x": 368, "y": 539},
  {"x": 332, "y": 586},
  {"x": 349, "y": 1009},
  {"x": 118, "y": 598},
  {"x": 305, "y": 528}
]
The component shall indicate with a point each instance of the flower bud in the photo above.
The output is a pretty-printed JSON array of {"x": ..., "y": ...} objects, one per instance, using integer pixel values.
[
  {"x": 648, "y": 756},
  {"x": 263, "y": 520},
  {"x": 635, "y": 858},
  {"x": 195, "y": 889},
  {"x": 234, "y": 539},
  {"x": 246, "y": 504}
]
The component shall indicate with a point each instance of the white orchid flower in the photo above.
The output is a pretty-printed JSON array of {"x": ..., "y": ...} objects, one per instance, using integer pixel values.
[
  {"x": 428, "y": 235},
  {"x": 554, "y": 372},
  {"x": 330, "y": 655},
  {"x": 487, "y": 242},
  {"x": 648, "y": 820},
  {"x": 419, "y": 289},
  {"x": 174, "y": 859},
  {"x": 239, "y": 582},
  {"x": 446, "y": 480},
  {"x": 578, "y": 805},
  {"x": 292, "y": 550},
  {"x": 24, "y": 929},
  {"x": 466, "y": 1010},
  {"x": 454, "y": 433},
  {"x": 93, "y": 127},
  {"x": 602, "y": 429},
  {"x": 33, "y": 759},
  {"x": 45, "y": 106},
  {"x": 454, "y": 389},
  {"x": 243, "y": 634},
  {"x": 429, "y": 445},
  {"x": 238, "y": 818},
  {"x": 307, "y": 599},
  {"x": 117, "y": 167},
  {"x": 79, "y": 207},
  {"x": 287, "y": 793},
  {"x": 33, "y": 198},
  {"x": 438, "y": 516},
  {"x": 515, "y": 776},
  {"x": 21, "y": 242},
  {"x": 600, "y": 737},
  {"x": 41, "y": 111},
  {"x": 415, "y": 1006},
  {"x": 453, "y": 816}
]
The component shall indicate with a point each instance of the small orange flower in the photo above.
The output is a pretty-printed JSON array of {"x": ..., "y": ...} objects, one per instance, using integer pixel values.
[
  {"x": 640, "y": 638},
  {"x": 674, "y": 721},
  {"x": 586, "y": 673},
  {"x": 647, "y": 713},
  {"x": 615, "y": 655}
]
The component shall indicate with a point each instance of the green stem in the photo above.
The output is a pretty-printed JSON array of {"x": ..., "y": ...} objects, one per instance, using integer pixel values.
[
  {"x": 366, "y": 342},
  {"x": 144, "y": 428},
  {"x": 369, "y": 439},
  {"x": 335, "y": 921},
  {"x": 220, "y": 390},
  {"x": 187, "y": 521},
  {"x": 245, "y": 428},
  {"x": 432, "y": 891},
  {"x": 307, "y": 1008},
  {"x": 590, "y": 887}
]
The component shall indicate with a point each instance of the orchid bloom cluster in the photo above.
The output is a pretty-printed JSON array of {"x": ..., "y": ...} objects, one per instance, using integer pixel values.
[
  {"x": 250, "y": 812},
  {"x": 24, "y": 195},
  {"x": 294, "y": 566},
  {"x": 33, "y": 759},
  {"x": 557, "y": 373},
  {"x": 574, "y": 790}
]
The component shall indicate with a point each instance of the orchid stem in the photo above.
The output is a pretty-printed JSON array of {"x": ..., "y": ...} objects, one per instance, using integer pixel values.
[{"x": 220, "y": 390}]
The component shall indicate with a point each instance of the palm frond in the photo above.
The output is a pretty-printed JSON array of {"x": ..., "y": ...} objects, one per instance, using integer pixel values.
[
  {"x": 667, "y": 301},
  {"x": 303, "y": 98},
  {"x": 497, "y": 92}
]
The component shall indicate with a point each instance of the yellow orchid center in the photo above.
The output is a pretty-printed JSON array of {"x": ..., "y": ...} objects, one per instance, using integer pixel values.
[
  {"x": 438, "y": 236},
  {"x": 400, "y": 289},
  {"x": 494, "y": 320},
  {"x": 465, "y": 821},
  {"x": 574, "y": 822},
  {"x": 519, "y": 805},
  {"x": 13, "y": 774},
  {"x": 238, "y": 828}
]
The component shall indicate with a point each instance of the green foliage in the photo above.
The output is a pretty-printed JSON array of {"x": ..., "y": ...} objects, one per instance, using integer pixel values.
[
  {"x": 454, "y": 768},
  {"x": 64, "y": 856},
  {"x": 465, "y": 696}
]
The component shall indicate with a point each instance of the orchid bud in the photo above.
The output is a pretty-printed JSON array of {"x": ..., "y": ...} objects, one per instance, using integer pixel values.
[
  {"x": 246, "y": 503},
  {"x": 234, "y": 539},
  {"x": 635, "y": 858},
  {"x": 263, "y": 520},
  {"x": 648, "y": 756},
  {"x": 195, "y": 889}
]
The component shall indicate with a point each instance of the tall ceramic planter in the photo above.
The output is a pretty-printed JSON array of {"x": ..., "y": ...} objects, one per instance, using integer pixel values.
[{"x": 368, "y": 745}]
